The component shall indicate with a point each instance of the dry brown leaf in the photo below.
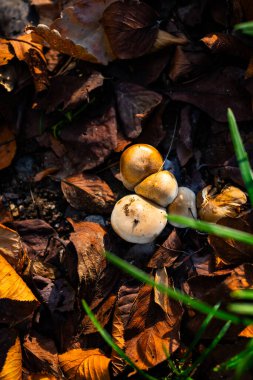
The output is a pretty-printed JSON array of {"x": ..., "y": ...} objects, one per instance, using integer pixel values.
[
  {"x": 150, "y": 329},
  {"x": 40, "y": 376},
  {"x": 17, "y": 301},
  {"x": 79, "y": 32},
  {"x": 135, "y": 103},
  {"x": 41, "y": 354},
  {"x": 11, "y": 247},
  {"x": 89, "y": 193},
  {"x": 88, "y": 240},
  {"x": 7, "y": 147},
  {"x": 10, "y": 355},
  {"x": 81, "y": 364},
  {"x": 118, "y": 364},
  {"x": 161, "y": 277},
  {"x": 131, "y": 28},
  {"x": 6, "y": 55},
  {"x": 44, "y": 173}
]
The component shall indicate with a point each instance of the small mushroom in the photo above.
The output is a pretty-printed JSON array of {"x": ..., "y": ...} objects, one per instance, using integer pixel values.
[
  {"x": 137, "y": 162},
  {"x": 184, "y": 204},
  {"x": 160, "y": 187},
  {"x": 213, "y": 206},
  {"x": 138, "y": 220}
]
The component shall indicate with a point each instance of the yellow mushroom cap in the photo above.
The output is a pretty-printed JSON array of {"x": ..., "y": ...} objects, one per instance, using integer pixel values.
[
  {"x": 160, "y": 187},
  {"x": 137, "y": 162},
  {"x": 138, "y": 220},
  {"x": 184, "y": 204}
]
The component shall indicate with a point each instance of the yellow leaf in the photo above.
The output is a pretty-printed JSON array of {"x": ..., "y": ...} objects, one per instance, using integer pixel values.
[
  {"x": 12, "y": 368},
  {"x": 81, "y": 364},
  {"x": 39, "y": 376},
  {"x": 11, "y": 284}
]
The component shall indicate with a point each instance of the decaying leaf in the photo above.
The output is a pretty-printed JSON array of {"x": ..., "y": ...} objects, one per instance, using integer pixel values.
[
  {"x": 150, "y": 328},
  {"x": 10, "y": 355},
  {"x": 89, "y": 193},
  {"x": 213, "y": 206},
  {"x": 88, "y": 240},
  {"x": 25, "y": 49},
  {"x": 41, "y": 354},
  {"x": 118, "y": 364},
  {"x": 131, "y": 28},
  {"x": 229, "y": 250},
  {"x": 39, "y": 376},
  {"x": 7, "y": 147},
  {"x": 85, "y": 364},
  {"x": 161, "y": 277},
  {"x": 79, "y": 32},
  {"x": 17, "y": 301},
  {"x": 11, "y": 247},
  {"x": 88, "y": 144},
  {"x": 135, "y": 103}
]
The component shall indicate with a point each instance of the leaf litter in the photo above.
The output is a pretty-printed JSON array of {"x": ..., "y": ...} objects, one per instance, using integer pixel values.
[{"x": 84, "y": 81}]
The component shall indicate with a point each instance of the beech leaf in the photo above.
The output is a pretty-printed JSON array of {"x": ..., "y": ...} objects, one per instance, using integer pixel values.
[
  {"x": 81, "y": 364},
  {"x": 10, "y": 355}
]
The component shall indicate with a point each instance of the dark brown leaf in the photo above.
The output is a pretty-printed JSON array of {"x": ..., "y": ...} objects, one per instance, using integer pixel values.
[
  {"x": 89, "y": 193},
  {"x": 135, "y": 103},
  {"x": 131, "y": 28},
  {"x": 216, "y": 92}
]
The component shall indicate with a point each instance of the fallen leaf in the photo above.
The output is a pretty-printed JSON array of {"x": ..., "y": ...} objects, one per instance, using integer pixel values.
[
  {"x": 6, "y": 54},
  {"x": 131, "y": 28},
  {"x": 5, "y": 213},
  {"x": 10, "y": 355},
  {"x": 88, "y": 144},
  {"x": 39, "y": 376},
  {"x": 229, "y": 250},
  {"x": 41, "y": 354},
  {"x": 215, "y": 92},
  {"x": 17, "y": 301},
  {"x": 79, "y": 32},
  {"x": 118, "y": 364},
  {"x": 150, "y": 329},
  {"x": 161, "y": 277},
  {"x": 69, "y": 91},
  {"x": 135, "y": 103},
  {"x": 85, "y": 364},
  {"x": 47, "y": 10},
  {"x": 89, "y": 193},
  {"x": 11, "y": 247},
  {"x": 45, "y": 173},
  {"x": 88, "y": 240},
  {"x": 7, "y": 147}
]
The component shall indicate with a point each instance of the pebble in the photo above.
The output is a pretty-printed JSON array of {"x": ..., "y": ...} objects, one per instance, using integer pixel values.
[{"x": 96, "y": 219}]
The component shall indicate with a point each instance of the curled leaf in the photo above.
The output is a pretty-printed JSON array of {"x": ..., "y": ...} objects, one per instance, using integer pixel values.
[{"x": 213, "y": 206}]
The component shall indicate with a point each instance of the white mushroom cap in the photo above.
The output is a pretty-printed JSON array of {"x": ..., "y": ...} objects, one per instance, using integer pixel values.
[
  {"x": 160, "y": 187},
  {"x": 138, "y": 220},
  {"x": 184, "y": 204}
]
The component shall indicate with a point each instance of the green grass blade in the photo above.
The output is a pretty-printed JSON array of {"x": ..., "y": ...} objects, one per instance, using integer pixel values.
[
  {"x": 200, "y": 332},
  {"x": 175, "y": 294},
  {"x": 106, "y": 336},
  {"x": 235, "y": 361},
  {"x": 245, "y": 363},
  {"x": 208, "y": 350},
  {"x": 241, "y": 155},
  {"x": 245, "y": 27},
  {"x": 212, "y": 228},
  {"x": 246, "y": 294},
  {"x": 241, "y": 308}
]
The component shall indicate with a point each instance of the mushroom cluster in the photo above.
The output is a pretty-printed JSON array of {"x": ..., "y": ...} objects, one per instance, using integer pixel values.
[{"x": 141, "y": 217}]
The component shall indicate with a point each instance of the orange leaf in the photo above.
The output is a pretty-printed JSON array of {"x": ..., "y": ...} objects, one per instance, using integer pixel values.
[
  {"x": 5, "y": 54},
  {"x": 7, "y": 147},
  {"x": 39, "y": 376},
  {"x": 11, "y": 247},
  {"x": 118, "y": 364},
  {"x": 81, "y": 364},
  {"x": 11, "y": 355}
]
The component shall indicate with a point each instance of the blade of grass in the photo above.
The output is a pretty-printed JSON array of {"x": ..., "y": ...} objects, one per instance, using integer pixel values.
[
  {"x": 212, "y": 229},
  {"x": 241, "y": 308},
  {"x": 245, "y": 363},
  {"x": 241, "y": 154},
  {"x": 208, "y": 350},
  {"x": 245, "y": 27},
  {"x": 106, "y": 336},
  {"x": 175, "y": 294},
  {"x": 246, "y": 294},
  {"x": 233, "y": 362}
]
